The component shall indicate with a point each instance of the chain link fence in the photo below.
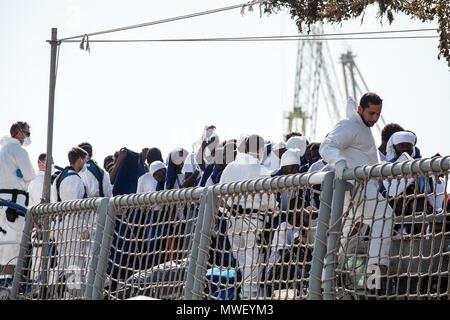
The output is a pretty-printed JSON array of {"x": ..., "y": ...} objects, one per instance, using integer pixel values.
[
  {"x": 382, "y": 232},
  {"x": 394, "y": 234},
  {"x": 56, "y": 251}
]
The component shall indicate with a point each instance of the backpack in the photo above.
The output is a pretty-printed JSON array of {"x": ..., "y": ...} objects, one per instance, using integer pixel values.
[
  {"x": 98, "y": 174},
  {"x": 68, "y": 171}
]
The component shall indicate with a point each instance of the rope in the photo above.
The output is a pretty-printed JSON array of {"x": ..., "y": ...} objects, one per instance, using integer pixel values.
[
  {"x": 202, "y": 13},
  {"x": 255, "y": 39}
]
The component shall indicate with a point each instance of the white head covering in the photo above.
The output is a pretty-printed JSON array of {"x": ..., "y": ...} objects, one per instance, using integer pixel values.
[
  {"x": 155, "y": 166},
  {"x": 297, "y": 142},
  {"x": 241, "y": 140},
  {"x": 396, "y": 138},
  {"x": 291, "y": 156},
  {"x": 352, "y": 107},
  {"x": 174, "y": 155}
]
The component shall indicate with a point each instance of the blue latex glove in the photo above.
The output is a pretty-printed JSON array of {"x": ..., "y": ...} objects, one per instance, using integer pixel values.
[{"x": 19, "y": 173}]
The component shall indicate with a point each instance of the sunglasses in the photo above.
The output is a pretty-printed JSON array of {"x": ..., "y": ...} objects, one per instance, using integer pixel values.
[{"x": 26, "y": 133}]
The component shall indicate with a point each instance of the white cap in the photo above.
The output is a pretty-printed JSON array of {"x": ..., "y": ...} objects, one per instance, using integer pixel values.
[
  {"x": 155, "y": 166},
  {"x": 297, "y": 142},
  {"x": 290, "y": 157}
]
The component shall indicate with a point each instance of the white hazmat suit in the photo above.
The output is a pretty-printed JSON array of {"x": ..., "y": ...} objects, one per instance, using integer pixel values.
[
  {"x": 351, "y": 140},
  {"x": 13, "y": 157}
]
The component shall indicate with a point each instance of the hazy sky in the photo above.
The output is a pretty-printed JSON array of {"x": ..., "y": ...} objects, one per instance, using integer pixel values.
[{"x": 162, "y": 94}]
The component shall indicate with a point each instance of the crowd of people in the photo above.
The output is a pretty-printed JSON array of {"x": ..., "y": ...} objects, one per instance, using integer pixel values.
[{"x": 349, "y": 144}]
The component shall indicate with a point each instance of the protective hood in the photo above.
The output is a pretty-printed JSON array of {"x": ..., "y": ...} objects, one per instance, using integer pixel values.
[
  {"x": 6, "y": 141},
  {"x": 352, "y": 107}
]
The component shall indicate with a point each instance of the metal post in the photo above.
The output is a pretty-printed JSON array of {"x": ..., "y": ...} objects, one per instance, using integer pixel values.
[
  {"x": 24, "y": 244},
  {"x": 326, "y": 196},
  {"x": 102, "y": 211},
  {"x": 192, "y": 260},
  {"x": 47, "y": 177},
  {"x": 205, "y": 242},
  {"x": 335, "y": 227},
  {"x": 100, "y": 271},
  {"x": 51, "y": 105}
]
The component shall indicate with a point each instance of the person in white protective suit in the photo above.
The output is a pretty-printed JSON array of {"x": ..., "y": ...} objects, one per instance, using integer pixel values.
[
  {"x": 247, "y": 216},
  {"x": 72, "y": 232},
  {"x": 351, "y": 144},
  {"x": 96, "y": 179},
  {"x": 37, "y": 184},
  {"x": 16, "y": 172}
]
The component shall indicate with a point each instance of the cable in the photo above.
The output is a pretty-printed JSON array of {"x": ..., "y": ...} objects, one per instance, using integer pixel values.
[
  {"x": 165, "y": 20},
  {"x": 253, "y": 39}
]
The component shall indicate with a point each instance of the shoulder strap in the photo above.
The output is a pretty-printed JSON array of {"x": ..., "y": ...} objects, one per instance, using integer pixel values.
[
  {"x": 98, "y": 174},
  {"x": 68, "y": 171}
]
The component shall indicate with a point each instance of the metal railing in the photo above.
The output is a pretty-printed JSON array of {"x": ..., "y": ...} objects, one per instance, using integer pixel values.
[{"x": 303, "y": 236}]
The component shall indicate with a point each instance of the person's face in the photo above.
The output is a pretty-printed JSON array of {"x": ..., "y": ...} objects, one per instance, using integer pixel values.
[
  {"x": 314, "y": 155},
  {"x": 404, "y": 147},
  {"x": 23, "y": 133},
  {"x": 291, "y": 169},
  {"x": 160, "y": 175},
  {"x": 371, "y": 114}
]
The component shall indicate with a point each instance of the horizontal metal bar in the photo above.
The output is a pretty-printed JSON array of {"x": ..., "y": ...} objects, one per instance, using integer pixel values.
[
  {"x": 421, "y": 218},
  {"x": 387, "y": 169},
  {"x": 158, "y": 197},
  {"x": 66, "y": 206},
  {"x": 270, "y": 183}
]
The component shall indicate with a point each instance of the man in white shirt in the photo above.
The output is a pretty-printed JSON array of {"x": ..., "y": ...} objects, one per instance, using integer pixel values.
[
  {"x": 16, "y": 172},
  {"x": 72, "y": 232},
  {"x": 96, "y": 180},
  {"x": 351, "y": 144},
  {"x": 246, "y": 217}
]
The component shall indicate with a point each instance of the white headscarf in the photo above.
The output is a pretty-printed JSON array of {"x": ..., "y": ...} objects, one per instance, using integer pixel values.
[
  {"x": 297, "y": 142},
  {"x": 290, "y": 157},
  {"x": 396, "y": 138},
  {"x": 155, "y": 166}
]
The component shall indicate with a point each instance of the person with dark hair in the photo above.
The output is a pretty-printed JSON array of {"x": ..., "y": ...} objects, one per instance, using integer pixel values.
[
  {"x": 96, "y": 180},
  {"x": 386, "y": 133},
  {"x": 69, "y": 185},
  {"x": 73, "y": 247},
  {"x": 37, "y": 184},
  {"x": 108, "y": 163},
  {"x": 16, "y": 172},
  {"x": 247, "y": 214},
  {"x": 351, "y": 144},
  {"x": 154, "y": 154},
  {"x": 292, "y": 134}
]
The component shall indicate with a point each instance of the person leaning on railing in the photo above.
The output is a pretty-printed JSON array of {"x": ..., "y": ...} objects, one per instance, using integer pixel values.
[{"x": 351, "y": 144}]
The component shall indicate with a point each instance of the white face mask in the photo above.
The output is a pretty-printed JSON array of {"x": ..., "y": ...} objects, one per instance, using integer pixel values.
[{"x": 26, "y": 141}]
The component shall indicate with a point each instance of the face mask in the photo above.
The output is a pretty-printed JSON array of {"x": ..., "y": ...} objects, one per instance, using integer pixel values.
[{"x": 26, "y": 141}]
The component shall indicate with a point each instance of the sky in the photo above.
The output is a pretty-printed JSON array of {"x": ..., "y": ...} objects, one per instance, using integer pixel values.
[{"x": 138, "y": 95}]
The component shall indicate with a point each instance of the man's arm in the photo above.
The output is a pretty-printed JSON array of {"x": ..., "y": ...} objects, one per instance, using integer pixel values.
[
  {"x": 115, "y": 169},
  {"x": 340, "y": 138},
  {"x": 24, "y": 164}
]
